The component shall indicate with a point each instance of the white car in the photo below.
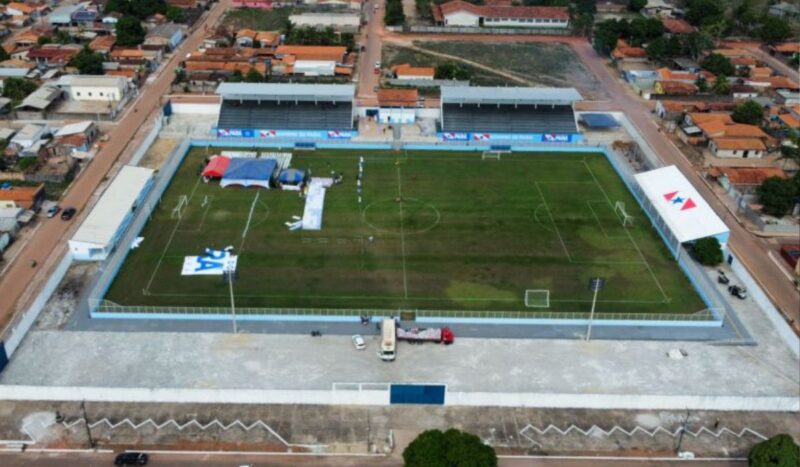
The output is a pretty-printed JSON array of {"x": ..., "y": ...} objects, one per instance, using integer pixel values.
[
  {"x": 378, "y": 64},
  {"x": 358, "y": 342}
]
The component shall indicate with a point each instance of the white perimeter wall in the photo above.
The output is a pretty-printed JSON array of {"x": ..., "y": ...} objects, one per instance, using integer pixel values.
[
  {"x": 461, "y": 18},
  {"x": 191, "y": 108}
]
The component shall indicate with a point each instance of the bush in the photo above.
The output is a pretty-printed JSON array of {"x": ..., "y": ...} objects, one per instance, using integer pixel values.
[
  {"x": 707, "y": 251},
  {"x": 718, "y": 64},
  {"x": 453, "y": 448},
  {"x": 777, "y": 195},
  {"x": 749, "y": 112},
  {"x": 778, "y": 451}
]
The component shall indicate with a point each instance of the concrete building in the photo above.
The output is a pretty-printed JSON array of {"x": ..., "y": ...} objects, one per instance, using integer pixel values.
[
  {"x": 98, "y": 235},
  {"x": 744, "y": 148},
  {"x": 25, "y": 197},
  {"x": 310, "y": 60},
  {"x": 94, "y": 88},
  {"x": 461, "y": 13},
  {"x": 167, "y": 36},
  {"x": 406, "y": 71}
]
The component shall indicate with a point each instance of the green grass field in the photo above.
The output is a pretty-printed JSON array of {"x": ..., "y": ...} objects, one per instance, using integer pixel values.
[{"x": 450, "y": 232}]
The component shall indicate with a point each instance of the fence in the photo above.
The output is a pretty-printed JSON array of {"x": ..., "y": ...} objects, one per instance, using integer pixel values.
[
  {"x": 711, "y": 316},
  {"x": 494, "y": 31},
  {"x": 148, "y": 140}
]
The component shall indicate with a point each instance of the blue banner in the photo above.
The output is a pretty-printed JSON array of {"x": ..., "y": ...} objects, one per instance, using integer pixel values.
[
  {"x": 489, "y": 137},
  {"x": 289, "y": 134}
]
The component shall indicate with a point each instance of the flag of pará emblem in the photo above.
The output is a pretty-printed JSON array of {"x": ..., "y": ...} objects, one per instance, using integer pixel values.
[{"x": 683, "y": 203}]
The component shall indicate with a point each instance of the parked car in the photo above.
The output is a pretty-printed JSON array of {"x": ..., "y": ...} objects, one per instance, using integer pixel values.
[
  {"x": 131, "y": 458},
  {"x": 53, "y": 211},
  {"x": 358, "y": 342},
  {"x": 738, "y": 292},
  {"x": 68, "y": 214}
]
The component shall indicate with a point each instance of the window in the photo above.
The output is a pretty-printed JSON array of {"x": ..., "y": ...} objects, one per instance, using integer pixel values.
[
  {"x": 78, "y": 94},
  {"x": 101, "y": 94},
  {"x": 90, "y": 94}
]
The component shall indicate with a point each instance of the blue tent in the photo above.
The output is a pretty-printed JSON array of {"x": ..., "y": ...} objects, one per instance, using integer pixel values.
[
  {"x": 249, "y": 172},
  {"x": 599, "y": 121},
  {"x": 291, "y": 176}
]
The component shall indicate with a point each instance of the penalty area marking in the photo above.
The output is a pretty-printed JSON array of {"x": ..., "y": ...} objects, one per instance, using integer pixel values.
[{"x": 249, "y": 218}]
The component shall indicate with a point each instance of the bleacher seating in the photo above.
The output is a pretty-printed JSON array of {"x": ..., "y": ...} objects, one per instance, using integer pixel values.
[
  {"x": 286, "y": 115},
  {"x": 508, "y": 118}
]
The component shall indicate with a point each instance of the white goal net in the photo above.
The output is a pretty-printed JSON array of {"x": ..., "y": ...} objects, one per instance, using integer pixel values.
[
  {"x": 537, "y": 298},
  {"x": 619, "y": 210},
  {"x": 180, "y": 208},
  {"x": 492, "y": 155}
]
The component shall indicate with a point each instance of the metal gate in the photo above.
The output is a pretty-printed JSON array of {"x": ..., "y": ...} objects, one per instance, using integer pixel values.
[{"x": 430, "y": 394}]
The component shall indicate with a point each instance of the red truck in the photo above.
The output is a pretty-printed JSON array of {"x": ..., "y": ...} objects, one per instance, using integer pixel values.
[{"x": 419, "y": 335}]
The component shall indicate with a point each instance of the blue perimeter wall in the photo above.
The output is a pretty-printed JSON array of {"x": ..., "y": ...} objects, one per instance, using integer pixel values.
[{"x": 718, "y": 322}]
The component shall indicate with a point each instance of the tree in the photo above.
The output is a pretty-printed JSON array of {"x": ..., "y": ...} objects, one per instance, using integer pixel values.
[
  {"x": 4, "y": 55},
  {"x": 707, "y": 251},
  {"x": 451, "y": 70},
  {"x": 697, "y": 43},
  {"x": 778, "y": 451},
  {"x": 749, "y": 112},
  {"x": 42, "y": 40},
  {"x": 582, "y": 24},
  {"x": 663, "y": 48},
  {"x": 606, "y": 34},
  {"x": 63, "y": 37},
  {"x": 644, "y": 29},
  {"x": 175, "y": 14},
  {"x": 774, "y": 29},
  {"x": 701, "y": 83},
  {"x": 129, "y": 31},
  {"x": 703, "y": 12},
  {"x": 17, "y": 89},
  {"x": 394, "y": 15},
  {"x": 236, "y": 77},
  {"x": 88, "y": 62},
  {"x": 718, "y": 64},
  {"x": 141, "y": 9},
  {"x": 790, "y": 149},
  {"x": 636, "y": 5},
  {"x": 777, "y": 195},
  {"x": 253, "y": 76},
  {"x": 722, "y": 86},
  {"x": 453, "y": 448}
]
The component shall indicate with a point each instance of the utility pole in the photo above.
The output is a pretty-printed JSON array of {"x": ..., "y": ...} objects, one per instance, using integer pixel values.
[
  {"x": 86, "y": 424},
  {"x": 682, "y": 431},
  {"x": 595, "y": 284}
]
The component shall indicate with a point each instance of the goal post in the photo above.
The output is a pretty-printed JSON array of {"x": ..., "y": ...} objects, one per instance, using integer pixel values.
[
  {"x": 491, "y": 155},
  {"x": 622, "y": 214},
  {"x": 178, "y": 210},
  {"x": 537, "y": 298}
]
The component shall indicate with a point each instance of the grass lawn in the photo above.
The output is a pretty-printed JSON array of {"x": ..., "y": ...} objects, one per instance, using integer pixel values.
[
  {"x": 450, "y": 231},
  {"x": 395, "y": 55},
  {"x": 258, "y": 19}
]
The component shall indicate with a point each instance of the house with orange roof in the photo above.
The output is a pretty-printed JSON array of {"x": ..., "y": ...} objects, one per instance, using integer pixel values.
[
  {"x": 744, "y": 180},
  {"x": 310, "y": 60},
  {"x": 459, "y": 13},
  {"x": 52, "y": 56},
  {"x": 760, "y": 72},
  {"x": 103, "y": 44},
  {"x": 789, "y": 121},
  {"x": 788, "y": 49},
  {"x": 677, "y": 26},
  {"x": 27, "y": 38},
  {"x": 745, "y": 148},
  {"x": 250, "y": 37},
  {"x": 25, "y": 197},
  {"x": 397, "y": 105},
  {"x": 406, "y": 71},
  {"x": 623, "y": 52}
]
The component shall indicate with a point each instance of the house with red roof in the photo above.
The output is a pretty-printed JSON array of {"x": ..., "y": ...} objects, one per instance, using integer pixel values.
[{"x": 460, "y": 13}]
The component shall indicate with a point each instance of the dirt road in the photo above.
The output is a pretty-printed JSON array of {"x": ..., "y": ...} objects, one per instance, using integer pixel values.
[
  {"x": 49, "y": 243},
  {"x": 371, "y": 40}
]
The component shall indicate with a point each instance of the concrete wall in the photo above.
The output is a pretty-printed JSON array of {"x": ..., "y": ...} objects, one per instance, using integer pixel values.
[{"x": 192, "y": 108}]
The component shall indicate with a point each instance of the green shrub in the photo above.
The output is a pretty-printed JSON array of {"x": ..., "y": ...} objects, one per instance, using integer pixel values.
[
  {"x": 707, "y": 251},
  {"x": 778, "y": 451}
]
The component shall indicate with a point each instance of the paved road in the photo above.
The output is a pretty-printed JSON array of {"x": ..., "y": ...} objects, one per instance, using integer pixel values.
[
  {"x": 49, "y": 243},
  {"x": 216, "y": 460}
]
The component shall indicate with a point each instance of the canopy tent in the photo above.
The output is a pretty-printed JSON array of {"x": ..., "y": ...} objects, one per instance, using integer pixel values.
[
  {"x": 249, "y": 172},
  {"x": 594, "y": 120},
  {"x": 685, "y": 213},
  {"x": 291, "y": 176},
  {"x": 216, "y": 167}
]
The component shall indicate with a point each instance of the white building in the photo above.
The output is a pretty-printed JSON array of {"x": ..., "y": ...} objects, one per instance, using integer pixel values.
[
  {"x": 460, "y": 13},
  {"x": 99, "y": 234},
  {"x": 742, "y": 148},
  {"x": 94, "y": 88}
]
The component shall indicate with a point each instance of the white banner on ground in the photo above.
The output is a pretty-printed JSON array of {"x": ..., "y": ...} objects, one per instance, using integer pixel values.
[{"x": 213, "y": 263}]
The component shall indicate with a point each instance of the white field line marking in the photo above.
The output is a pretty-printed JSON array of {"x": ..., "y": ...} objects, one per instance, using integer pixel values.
[
  {"x": 169, "y": 242},
  {"x": 594, "y": 213},
  {"x": 597, "y": 218},
  {"x": 627, "y": 231},
  {"x": 402, "y": 233},
  {"x": 547, "y": 208},
  {"x": 249, "y": 218},
  {"x": 199, "y": 228}
]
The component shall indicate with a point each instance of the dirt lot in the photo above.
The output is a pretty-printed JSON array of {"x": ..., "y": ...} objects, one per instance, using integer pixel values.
[{"x": 503, "y": 63}]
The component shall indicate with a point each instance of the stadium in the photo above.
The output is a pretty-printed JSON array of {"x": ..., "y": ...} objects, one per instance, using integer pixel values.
[{"x": 287, "y": 214}]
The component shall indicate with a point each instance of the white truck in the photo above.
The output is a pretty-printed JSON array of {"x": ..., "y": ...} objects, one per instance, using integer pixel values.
[{"x": 386, "y": 352}]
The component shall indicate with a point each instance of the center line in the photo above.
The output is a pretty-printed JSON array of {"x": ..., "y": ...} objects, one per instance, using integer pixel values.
[{"x": 402, "y": 233}]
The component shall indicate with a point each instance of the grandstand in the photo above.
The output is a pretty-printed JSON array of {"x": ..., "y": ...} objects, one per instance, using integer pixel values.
[
  {"x": 508, "y": 110},
  {"x": 286, "y": 106}
]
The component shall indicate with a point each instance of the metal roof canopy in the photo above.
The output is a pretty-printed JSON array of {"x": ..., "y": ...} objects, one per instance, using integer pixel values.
[
  {"x": 114, "y": 205},
  {"x": 685, "y": 212},
  {"x": 509, "y": 95},
  {"x": 287, "y": 92}
]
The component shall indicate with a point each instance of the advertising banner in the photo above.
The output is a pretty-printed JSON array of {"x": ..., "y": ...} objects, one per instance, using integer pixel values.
[
  {"x": 235, "y": 132},
  {"x": 554, "y": 138},
  {"x": 213, "y": 263},
  {"x": 454, "y": 136}
]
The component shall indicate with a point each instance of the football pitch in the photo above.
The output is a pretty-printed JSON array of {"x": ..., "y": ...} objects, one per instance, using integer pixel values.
[{"x": 434, "y": 231}]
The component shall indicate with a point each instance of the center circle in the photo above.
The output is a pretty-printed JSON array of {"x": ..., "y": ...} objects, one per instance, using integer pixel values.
[{"x": 417, "y": 216}]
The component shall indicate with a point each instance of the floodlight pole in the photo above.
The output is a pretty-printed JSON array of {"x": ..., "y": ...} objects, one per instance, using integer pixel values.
[
  {"x": 233, "y": 306},
  {"x": 595, "y": 284}
]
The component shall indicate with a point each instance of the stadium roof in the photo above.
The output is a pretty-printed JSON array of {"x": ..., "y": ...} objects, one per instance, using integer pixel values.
[
  {"x": 685, "y": 212},
  {"x": 287, "y": 92},
  {"x": 509, "y": 95},
  {"x": 595, "y": 120},
  {"x": 114, "y": 205}
]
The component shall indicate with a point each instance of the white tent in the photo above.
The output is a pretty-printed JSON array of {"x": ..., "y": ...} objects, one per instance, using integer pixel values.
[{"x": 685, "y": 213}]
